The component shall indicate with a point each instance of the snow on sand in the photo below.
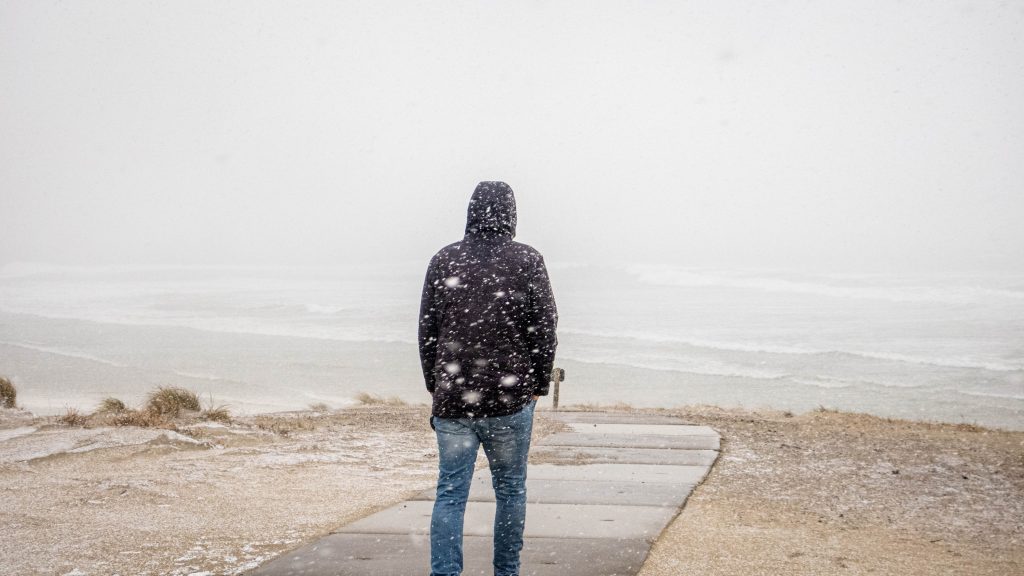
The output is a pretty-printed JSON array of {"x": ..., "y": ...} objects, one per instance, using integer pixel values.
[{"x": 822, "y": 492}]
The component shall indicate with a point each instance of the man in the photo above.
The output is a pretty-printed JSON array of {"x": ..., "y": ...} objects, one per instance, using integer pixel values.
[{"x": 487, "y": 346}]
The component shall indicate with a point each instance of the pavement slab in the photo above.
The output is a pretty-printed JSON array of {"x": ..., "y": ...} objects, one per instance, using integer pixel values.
[
  {"x": 390, "y": 554},
  {"x": 584, "y": 492},
  {"x": 609, "y": 417},
  {"x": 568, "y": 455},
  {"x": 629, "y": 441},
  {"x": 639, "y": 473},
  {"x": 544, "y": 520},
  {"x": 641, "y": 429},
  {"x": 599, "y": 495}
]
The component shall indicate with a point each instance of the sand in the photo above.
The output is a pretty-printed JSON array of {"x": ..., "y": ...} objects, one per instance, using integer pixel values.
[
  {"x": 828, "y": 492},
  {"x": 818, "y": 493},
  {"x": 205, "y": 498},
  {"x": 222, "y": 501}
]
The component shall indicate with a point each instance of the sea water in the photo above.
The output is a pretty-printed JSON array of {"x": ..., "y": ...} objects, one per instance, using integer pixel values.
[{"x": 938, "y": 347}]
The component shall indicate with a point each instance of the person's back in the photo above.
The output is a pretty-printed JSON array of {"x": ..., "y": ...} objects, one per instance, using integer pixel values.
[{"x": 487, "y": 345}]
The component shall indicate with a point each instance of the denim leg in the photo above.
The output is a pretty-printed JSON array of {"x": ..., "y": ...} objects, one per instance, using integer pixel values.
[
  {"x": 506, "y": 442},
  {"x": 457, "y": 449}
]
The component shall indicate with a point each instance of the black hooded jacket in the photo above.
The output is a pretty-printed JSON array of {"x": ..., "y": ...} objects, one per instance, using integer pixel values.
[{"x": 487, "y": 315}]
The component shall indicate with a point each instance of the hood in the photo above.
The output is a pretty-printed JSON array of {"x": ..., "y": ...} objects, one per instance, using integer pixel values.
[{"x": 492, "y": 211}]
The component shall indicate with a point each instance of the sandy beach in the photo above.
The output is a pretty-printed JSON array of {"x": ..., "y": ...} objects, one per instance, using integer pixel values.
[
  {"x": 206, "y": 499},
  {"x": 828, "y": 492},
  {"x": 821, "y": 492}
]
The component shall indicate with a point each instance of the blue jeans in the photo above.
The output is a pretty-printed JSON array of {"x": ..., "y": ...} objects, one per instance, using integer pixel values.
[{"x": 506, "y": 441}]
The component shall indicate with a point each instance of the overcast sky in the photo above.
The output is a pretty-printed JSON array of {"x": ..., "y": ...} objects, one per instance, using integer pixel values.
[{"x": 838, "y": 135}]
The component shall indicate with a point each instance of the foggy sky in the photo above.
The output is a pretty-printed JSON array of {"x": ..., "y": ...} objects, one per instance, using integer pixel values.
[{"x": 844, "y": 135}]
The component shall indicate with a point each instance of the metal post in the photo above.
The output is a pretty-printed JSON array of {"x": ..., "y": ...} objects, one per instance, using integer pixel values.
[{"x": 557, "y": 375}]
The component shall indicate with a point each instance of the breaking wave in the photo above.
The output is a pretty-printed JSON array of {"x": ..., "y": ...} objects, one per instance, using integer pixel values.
[
  {"x": 796, "y": 350},
  {"x": 958, "y": 294}
]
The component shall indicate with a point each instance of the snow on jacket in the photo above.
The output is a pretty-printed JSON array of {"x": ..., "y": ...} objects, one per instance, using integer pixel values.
[{"x": 487, "y": 315}]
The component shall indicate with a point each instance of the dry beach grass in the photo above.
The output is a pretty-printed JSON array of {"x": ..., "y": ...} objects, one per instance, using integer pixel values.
[{"x": 8, "y": 393}]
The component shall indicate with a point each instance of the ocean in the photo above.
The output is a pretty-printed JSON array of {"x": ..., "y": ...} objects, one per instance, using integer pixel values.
[{"x": 929, "y": 347}]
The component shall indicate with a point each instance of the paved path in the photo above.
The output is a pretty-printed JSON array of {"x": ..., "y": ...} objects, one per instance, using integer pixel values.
[{"x": 598, "y": 497}]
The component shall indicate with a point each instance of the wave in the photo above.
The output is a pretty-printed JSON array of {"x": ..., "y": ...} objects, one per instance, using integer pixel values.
[
  {"x": 737, "y": 372},
  {"x": 991, "y": 394},
  {"x": 830, "y": 383},
  {"x": 279, "y": 310},
  {"x": 943, "y": 362},
  {"x": 662, "y": 275},
  {"x": 93, "y": 358},
  {"x": 796, "y": 350},
  {"x": 314, "y": 308},
  {"x": 202, "y": 376},
  {"x": 234, "y": 326},
  {"x": 857, "y": 382},
  {"x": 23, "y": 269},
  {"x": 64, "y": 352}
]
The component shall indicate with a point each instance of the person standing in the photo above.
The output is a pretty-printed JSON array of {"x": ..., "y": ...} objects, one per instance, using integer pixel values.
[{"x": 487, "y": 347}]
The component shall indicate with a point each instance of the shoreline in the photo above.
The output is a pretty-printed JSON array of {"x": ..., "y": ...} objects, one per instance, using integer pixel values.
[
  {"x": 87, "y": 361},
  {"x": 809, "y": 493}
]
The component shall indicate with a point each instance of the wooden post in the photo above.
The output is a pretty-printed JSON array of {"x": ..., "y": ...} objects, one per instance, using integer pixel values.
[{"x": 557, "y": 375}]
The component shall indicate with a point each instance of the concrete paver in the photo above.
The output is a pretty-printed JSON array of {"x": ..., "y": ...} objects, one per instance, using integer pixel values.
[
  {"x": 388, "y": 555},
  {"x": 610, "y": 417},
  {"x": 544, "y": 520},
  {"x": 641, "y": 429},
  {"x": 640, "y": 473},
  {"x": 584, "y": 492},
  {"x": 627, "y": 441},
  {"x": 598, "y": 454}
]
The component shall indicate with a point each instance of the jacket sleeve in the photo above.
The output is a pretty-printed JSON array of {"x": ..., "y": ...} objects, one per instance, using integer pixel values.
[
  {"x": 429, "y": 324},
  {"x": 541, "y": 328}
]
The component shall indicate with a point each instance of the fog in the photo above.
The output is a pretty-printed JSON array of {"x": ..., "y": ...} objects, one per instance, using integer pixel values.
[{"x": 813, "y": 136}]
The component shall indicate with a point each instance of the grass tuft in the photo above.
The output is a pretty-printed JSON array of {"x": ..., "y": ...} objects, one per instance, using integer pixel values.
[
  {"x": 170, "y": 401},
  {"x": 319, "y": 407},
  {"x": 110, "y": 405},
  {"x": 162, "y": 407},
  {"x": 217, "y": 414},
  {"x": 73, "y": 417},
  {"x": 284, "y": 425},
  {"x": 140, "y": 418},
  {"x": 367, "y": 398},
  {"x": 8, "y": 393}
]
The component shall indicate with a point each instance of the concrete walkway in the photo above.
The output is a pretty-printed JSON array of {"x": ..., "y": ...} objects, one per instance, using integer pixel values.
[{"x": 598, "y": 497}]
